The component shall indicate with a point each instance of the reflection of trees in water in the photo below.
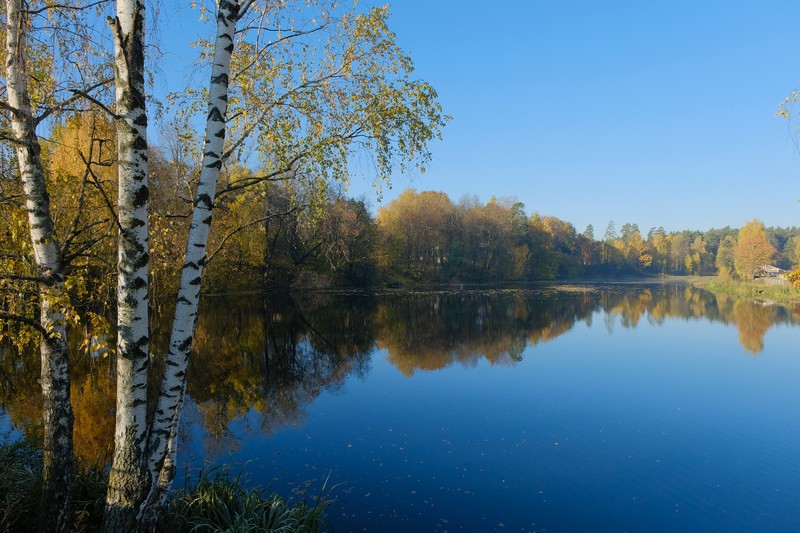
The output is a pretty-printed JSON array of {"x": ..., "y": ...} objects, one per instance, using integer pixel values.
[
  {"x": 20, "y": 389},
  {"x": 93, "y": 404},
  {"x": 753, "y": 320},
  {"x": 92, "y": 398},
  {"x": 555, "y": 313},
  {"x": 271, "y": 360},
  {"x": 428, "y": 332},
  {"x": 433, "y": 331},
  {"x": 264, "y": 362}
]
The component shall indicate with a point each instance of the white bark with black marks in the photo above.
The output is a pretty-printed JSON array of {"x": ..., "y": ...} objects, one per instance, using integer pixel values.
[
  {"x": 162, "y": 447},
  {"x": 128, "y": 479},
  {"x": 57, "y": 408}
]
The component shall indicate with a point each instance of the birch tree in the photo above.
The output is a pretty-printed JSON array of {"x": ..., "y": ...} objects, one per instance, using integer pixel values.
[
  {"x": 41, "y": 82},
  {"x": 57, "y": 409},
  {"x": 162, "y": 440},
  {"x": 127, "y": 479}
]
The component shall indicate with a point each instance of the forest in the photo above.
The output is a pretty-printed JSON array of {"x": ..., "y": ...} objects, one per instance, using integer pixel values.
[
  {"x": 285, "y": 235},
  {"x": 427, "y": 238}
]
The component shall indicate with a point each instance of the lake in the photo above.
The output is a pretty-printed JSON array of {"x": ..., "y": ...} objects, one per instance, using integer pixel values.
[{"x": 617, "y": 407}]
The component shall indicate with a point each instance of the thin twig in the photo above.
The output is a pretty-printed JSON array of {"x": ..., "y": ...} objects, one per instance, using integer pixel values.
[
  {"x": 25, "y": 320},
  {"x": 242, "y": 228},
  {"x": 77, "y": 94}
]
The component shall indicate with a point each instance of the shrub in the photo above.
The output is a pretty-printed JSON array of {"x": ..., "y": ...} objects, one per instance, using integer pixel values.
[{"x": 220, "y": 503}]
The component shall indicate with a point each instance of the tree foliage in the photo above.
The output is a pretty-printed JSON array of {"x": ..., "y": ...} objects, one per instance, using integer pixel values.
[{"x": 752, "y": 250}]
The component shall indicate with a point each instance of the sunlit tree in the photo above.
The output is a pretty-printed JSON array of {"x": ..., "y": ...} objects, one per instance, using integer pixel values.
[{"x": 752, "y": 250}]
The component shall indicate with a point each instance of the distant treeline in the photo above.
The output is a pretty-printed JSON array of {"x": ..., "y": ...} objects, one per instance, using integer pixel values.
[
  {"x": 297, "y": 233},
  {"x": 425, "y": 237}
]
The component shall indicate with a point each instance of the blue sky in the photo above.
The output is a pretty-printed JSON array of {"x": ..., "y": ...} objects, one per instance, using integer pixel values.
[{"x": 656, "y": 113}]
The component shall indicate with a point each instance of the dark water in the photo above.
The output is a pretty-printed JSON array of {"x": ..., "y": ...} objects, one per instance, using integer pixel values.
[{"x": 602, "y": 408}]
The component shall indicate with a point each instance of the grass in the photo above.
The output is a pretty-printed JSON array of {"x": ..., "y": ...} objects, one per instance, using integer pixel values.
[
  {"x": 750, "y": 289},
  {"x": 216, "y": 502},
  {"x": 221, "y": 503},
  {"x": 20, "y": 476}
]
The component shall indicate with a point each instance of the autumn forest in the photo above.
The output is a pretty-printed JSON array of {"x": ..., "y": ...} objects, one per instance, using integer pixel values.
[{"x": 281, "y": 235}]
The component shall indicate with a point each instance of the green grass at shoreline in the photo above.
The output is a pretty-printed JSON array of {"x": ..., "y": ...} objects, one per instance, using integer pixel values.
[
  {"x": 748, "y": 289},
  {"x": 218, "y": 501}
]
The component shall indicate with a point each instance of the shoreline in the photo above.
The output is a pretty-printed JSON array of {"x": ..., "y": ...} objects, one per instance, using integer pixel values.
[{"x": 780, "y": 294}]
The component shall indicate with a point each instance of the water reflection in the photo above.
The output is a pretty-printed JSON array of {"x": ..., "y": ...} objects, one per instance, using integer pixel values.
[
  {"x": 261, "y": 362},
  {"x": 272, "y": 359}
]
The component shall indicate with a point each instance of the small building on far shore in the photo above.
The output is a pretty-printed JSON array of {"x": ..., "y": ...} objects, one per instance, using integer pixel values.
[
  {"x": 771, "y": 275},
  {"x": 769, "y": 271}
]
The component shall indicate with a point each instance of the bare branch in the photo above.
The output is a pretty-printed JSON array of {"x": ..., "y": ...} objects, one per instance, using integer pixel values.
[
  {"x": 283, "y": 174},
  {"x": 77, "y": 94},
  {"x": 73, "y": 230},
  {"x": 98, "y": 103},
  {"x": 5, "y": 105},
  {"x": 80, "y": 251},
  {"x": 27, "y": 321},
  {"x": 48, "y": 7},
  {"x": 96, "y": 183},
  {"x": 250, "y": 224}
]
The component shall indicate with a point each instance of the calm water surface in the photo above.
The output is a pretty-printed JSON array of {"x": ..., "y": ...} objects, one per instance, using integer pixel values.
[{"x": 603, "y": 408}]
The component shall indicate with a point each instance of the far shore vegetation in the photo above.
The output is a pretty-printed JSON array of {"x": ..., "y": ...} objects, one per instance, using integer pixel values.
[
  {"x": 426, "y": 238},
  {"x": 784, "y": 293}
]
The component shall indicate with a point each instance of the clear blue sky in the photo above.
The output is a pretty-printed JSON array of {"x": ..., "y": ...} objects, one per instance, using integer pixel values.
[{"x": 656, "y": 113}]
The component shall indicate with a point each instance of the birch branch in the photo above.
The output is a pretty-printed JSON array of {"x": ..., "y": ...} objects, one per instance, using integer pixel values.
[{"x": 242, "y": 228}]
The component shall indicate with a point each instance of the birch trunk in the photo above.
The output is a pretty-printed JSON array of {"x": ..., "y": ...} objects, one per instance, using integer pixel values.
[
  {"x": 128, "y": 478},
  {"x": 162, "y": 445},
  {"x": 57, "y": 408}
]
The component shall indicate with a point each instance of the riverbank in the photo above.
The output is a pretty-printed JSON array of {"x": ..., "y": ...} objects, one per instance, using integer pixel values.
[
  {"x": 414, "y": 287},
  {"x": 783, "y": 294}
]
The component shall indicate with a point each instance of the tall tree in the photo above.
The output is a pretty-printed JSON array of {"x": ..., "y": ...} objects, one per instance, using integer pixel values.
[
  {"x": 50, "y": 70},
  {"x": 417, "y": 230},
  {"x": 127, "y": 480},
  {"x": 702, "y": 262},
  {"x": 752, "y": 250},
  {"x": 162, "y": 446},
  {"x": 608, "y": 237},
  {"x": 57, "y": 408},
  {"x": 678, "y": 250}
]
